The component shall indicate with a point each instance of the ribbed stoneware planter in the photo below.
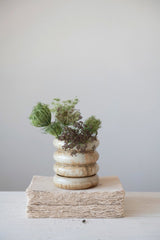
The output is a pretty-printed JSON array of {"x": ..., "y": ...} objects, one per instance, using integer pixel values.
[{"x": 76, "y": 171}]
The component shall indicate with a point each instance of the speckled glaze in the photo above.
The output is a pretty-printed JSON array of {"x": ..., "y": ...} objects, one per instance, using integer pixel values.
[
  {"x": 75, "y": 183},
  {"x": 75, "y": 171}
]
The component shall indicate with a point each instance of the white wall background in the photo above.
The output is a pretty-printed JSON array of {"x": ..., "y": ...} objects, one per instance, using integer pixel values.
[{"x": 105, "y": 52}]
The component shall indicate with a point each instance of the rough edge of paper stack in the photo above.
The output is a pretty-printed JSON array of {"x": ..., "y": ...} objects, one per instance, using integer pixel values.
[{"x": 45, "y": 200}]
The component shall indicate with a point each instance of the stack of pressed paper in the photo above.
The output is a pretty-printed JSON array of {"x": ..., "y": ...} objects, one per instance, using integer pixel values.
[{"x": 45, "y": 200}]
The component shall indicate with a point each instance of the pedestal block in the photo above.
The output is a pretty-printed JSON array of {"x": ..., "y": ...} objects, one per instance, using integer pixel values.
[{"x": 45, "y": 200}]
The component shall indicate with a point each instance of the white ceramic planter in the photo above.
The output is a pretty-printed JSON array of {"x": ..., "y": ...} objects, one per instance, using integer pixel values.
[{"x": 75, "y": 171}]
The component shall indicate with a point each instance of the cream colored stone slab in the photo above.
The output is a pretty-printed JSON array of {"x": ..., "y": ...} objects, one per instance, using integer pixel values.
[
  {"x": 141, "y": 222},
  {"x": 103, "y": 201}
]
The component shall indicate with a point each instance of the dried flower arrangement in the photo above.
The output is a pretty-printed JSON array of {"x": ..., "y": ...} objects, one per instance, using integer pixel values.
[{"x": 67, "y": 125}]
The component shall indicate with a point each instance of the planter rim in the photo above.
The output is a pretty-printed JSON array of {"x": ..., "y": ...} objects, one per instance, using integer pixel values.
[{"x": 59, "y": 144}]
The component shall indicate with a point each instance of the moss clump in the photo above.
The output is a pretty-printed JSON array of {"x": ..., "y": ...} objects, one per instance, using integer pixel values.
[
  {"x": 67, "y": 124},
  {"x": 93, "y": 124},
  {"x": 54, "y": 128},
  {"x": 40, "y": 115}
]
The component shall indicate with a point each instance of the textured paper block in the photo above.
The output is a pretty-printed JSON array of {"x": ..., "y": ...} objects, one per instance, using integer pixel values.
[{"x": 103, "y": 201}]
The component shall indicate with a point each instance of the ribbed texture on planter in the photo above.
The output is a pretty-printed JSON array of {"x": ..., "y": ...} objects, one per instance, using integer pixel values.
[{"x": 76, "y": 171}]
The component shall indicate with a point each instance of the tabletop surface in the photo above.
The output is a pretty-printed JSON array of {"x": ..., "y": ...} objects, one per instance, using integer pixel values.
[{"x": 142, "y": 221}]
